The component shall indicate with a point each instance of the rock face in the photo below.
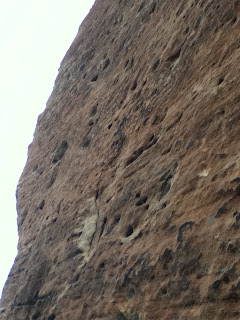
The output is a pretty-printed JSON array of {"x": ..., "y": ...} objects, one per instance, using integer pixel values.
[{"x": 129, "y": 205}]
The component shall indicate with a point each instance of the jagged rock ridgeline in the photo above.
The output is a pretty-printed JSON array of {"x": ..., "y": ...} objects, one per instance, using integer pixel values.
[{"x": 129, "y": 204}]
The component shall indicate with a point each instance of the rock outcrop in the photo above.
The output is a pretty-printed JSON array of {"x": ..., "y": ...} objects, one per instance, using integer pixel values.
[{"x": 129, "y": 204}]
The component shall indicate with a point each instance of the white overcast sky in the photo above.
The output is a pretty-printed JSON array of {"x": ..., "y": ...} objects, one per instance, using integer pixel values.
[{"x": 34, "y": 37}]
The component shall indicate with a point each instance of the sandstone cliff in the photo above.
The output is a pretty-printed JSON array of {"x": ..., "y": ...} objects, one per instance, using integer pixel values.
[{"x": 128, "y": 207}]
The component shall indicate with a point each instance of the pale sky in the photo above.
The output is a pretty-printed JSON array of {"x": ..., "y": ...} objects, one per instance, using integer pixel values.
[{"x": 34, "y": 37}]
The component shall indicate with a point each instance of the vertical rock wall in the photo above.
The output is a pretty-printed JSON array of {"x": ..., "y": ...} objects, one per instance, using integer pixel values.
[{"x": 129, "y": 204}]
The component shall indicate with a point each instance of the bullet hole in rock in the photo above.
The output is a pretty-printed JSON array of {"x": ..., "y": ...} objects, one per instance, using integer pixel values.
[
  {"x": 94, "y": 79},
  {"x": 141, "y": 201},
  {"x": 129, "y": 231},
  {"x": 60, "y": 151}
]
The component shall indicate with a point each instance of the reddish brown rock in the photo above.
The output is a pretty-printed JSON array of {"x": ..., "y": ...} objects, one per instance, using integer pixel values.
[{"x": 128, "y": 207}]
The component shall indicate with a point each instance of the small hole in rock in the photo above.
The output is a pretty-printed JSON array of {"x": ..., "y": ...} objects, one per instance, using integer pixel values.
[
  {"x": 226, "y": 279},
  {"x": 155, "y": 64},
  {"x": 129, "y": 231},
  {"x": 36, "y": 315},
  {"x": 35, "y": 168},
  {"x": 234, "y": 19},
  {"x": 60, "y": 152},
  {"x": 164, "y": 290},
  {"x": 164, "y": 205},
  {"x": 95, "y": 78},
  {"x": 138, "y": 195},
  {"x": 47, "y": 218},
  {"x": 117, "y": 219},
  {"x": 42, "y": 205},
  {"x": 141, "y": 201},
  {"x": 220, "y": 80},
  {"x": 86, "y": 141},
  {"x": 106, "y": 63},
  {"x": 198, "y": 22},
  {"x": 147, "y": 207},
  {"x": 97, "y": 194},
  {"x": 110, "y": 126},
  {"x": 145, "y": 121},
  {"x": 82, "y": 67},
  {"x": 152, "y": 137},
  {"x": 94, "y": 110},
  {"x": 134, "y": 85}
]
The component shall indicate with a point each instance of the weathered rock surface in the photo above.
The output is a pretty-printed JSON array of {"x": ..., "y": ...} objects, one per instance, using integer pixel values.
[{"x": 129, "y": 205}]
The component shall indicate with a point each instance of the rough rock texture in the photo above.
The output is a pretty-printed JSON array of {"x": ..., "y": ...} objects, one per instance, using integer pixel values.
[{"x": 129, "y": 205}]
